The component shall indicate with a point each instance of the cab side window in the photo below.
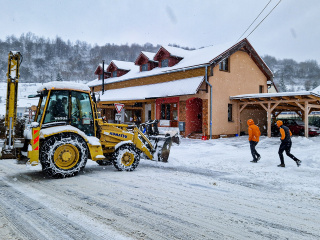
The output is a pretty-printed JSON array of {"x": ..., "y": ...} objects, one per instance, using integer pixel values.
[
  {"x": 57, "y": 109},
  {"x": 81, "y": 112}
]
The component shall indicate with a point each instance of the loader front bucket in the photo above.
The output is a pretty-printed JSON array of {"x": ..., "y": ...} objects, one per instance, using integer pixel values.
[{"x": 162, "y": 147}]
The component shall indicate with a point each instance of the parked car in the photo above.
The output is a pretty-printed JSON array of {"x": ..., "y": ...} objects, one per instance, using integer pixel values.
[{"x": 297, "y": 127}]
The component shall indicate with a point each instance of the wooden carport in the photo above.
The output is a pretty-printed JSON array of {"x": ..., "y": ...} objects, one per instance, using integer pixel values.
[{"x": 303, "y": 103}]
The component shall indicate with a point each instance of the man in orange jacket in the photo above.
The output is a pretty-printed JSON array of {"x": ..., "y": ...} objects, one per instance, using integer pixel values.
[
  {"x": 254, "y": 134},
  {"x": 285, "y": 144}
]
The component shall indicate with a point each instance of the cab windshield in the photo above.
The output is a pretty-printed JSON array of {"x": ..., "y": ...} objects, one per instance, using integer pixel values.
[{"x": 68, "y": 108}]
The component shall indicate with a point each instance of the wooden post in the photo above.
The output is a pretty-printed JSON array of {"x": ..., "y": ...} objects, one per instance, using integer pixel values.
[
  {"x": 238, "y": 117},
  {"x": 240, "y": 110},
  {"x": 269, "y": 120},
  {"x": 153, "y": 111},
  {"x": 306, "y": 119}
]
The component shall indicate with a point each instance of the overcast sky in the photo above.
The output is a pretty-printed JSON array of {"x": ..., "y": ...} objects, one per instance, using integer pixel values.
[{"x": 290, "y": 31}]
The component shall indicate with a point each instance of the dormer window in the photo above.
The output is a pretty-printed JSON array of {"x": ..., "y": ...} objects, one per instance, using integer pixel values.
[
  {"x": 114, "y": 74},
  {"x": 224, "y": 65},
  {"x": 164, "y": 63},
  {"x": 144, "y": 67}
]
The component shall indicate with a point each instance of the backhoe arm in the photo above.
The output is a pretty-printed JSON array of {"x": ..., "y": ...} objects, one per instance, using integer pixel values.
[{"x": 14, "y": 60}]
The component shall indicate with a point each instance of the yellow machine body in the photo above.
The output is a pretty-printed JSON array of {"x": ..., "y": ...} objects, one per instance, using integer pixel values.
[{"x": 67, "y": 131}]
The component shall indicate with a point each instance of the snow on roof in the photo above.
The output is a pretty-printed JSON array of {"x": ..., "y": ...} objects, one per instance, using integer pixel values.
[
  {"x": 316, "y": 90},
  {"x": 192, "y": 58},
  {"x": 173, "y": 88},
  {"x": 149, "y": 55},
  {"x": 64, "y": 85},
  {"x": 105, "y": 66},
  {"x": 124, "y": 65},
  {"x": 177, "y": 52},
  {"x": 280, "y": 94}
]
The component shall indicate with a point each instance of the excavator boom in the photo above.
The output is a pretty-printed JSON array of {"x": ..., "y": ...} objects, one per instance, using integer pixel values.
[{"x": 14, "y": 61}]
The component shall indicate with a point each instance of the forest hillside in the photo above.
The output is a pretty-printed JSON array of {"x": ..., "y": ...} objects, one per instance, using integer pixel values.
[{"x": 47, "y": 60}]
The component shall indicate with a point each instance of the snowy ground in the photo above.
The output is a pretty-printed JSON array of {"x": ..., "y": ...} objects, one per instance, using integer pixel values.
[{"x": 208, "y": 190}]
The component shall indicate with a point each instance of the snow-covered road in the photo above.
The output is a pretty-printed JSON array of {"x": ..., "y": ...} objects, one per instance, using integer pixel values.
[{"x": 208, "y": 190}]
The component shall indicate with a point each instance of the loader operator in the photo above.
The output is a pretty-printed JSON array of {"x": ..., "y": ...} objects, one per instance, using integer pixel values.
[{"x": 59, "y": 110}]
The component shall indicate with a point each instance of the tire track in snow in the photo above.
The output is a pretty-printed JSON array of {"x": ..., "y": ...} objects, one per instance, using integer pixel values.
[
  {"x": 33, "y": 221},
  {"x": 175, "y": 204}
]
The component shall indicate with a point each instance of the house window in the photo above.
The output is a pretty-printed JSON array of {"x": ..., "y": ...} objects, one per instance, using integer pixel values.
[
  {"x": 165, "y": 63},
  {"x": 229, "y": 112},
  {"x": 114, "y": 73},
  {"x": 144, "y": 67},
  {"x": 261, "y": 89},
  {"x": 163, "y": 111},
  {"x": 166, "y": 111},
  {"x": 224, "y": 65}
]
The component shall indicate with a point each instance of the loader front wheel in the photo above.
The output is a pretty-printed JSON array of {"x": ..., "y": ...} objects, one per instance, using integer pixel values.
[
  {"x": 63, "y": 155},
  {"x": 126, "y": 158}
]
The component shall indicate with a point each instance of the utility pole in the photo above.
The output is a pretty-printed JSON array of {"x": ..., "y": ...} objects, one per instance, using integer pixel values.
[{"x": 102, "y": 77}]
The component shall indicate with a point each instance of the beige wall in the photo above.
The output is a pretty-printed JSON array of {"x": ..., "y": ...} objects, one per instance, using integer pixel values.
[
  {"x": 244, "y": 77},
  {"x": 258, "y": 116}
]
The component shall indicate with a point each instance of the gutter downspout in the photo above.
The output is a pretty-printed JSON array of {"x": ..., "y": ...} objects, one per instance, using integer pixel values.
[{"x": 206, "y": 79}]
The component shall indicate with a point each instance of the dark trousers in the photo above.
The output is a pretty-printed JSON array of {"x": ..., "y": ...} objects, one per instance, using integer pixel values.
[
  {"x": 286, "y": 146},
  {"x": 254, "y": 152}
]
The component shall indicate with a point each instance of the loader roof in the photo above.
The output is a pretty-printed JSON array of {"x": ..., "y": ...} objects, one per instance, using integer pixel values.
[{"x": 63, "y": 85}]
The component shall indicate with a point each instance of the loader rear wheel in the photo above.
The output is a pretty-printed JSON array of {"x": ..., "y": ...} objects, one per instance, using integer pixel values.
[
  {"x": 126, "y": 158},
  {"x": 63, "y": 155}
]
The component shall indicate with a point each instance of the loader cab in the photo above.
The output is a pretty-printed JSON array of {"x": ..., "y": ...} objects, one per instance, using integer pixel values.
[{"x": 66, "y": 107}]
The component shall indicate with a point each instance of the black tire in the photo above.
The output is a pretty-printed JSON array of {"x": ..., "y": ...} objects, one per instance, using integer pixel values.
[
  {"x": 126, "y": 158},
  {"x": 301, "y": 132},
  {"x": 63, "y": 155}
]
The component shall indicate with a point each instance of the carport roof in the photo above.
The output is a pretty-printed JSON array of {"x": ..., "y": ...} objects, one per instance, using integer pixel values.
[{"x": 277, "y": 96}]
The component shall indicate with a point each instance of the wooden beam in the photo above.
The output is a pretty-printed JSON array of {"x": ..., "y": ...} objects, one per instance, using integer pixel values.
[
  {"x": 243, "y": 107},
  {"x": 286, "y": 98},
  {"x": 314, "y": 97},
  {"x": 275, "y": 98},
  {"x": 314, "y": 106},
  {"x": 288, "y": 108},
  {"x": 302, "y": 107},
  {"x": 277, "y": 114},
  {"x": 299, "y": 113},
  {"x": 274, "y": 106},
  {"x": 262, "y": 105}
]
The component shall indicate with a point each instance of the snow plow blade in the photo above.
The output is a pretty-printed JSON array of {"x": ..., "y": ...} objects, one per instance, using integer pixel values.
[{"x": 162, "y": 147}]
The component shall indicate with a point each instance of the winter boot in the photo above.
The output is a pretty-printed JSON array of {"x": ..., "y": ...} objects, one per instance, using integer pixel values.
[
  {"x": 258, "y": 158},
  {"x": 254, "y": 161},
  {"x": 281, "y": 165},
  {"x": 298, "y": 162}
]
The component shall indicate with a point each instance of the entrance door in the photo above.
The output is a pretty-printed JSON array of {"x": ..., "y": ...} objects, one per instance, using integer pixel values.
[{"x": 193, "y": 116}]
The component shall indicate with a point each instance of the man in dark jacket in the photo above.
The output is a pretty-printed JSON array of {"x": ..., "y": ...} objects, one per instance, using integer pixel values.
[{"x": 285, "y": 144}]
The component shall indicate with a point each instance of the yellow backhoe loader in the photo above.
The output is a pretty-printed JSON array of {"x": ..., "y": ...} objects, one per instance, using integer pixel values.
[{"x": 66, "y": 131}]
